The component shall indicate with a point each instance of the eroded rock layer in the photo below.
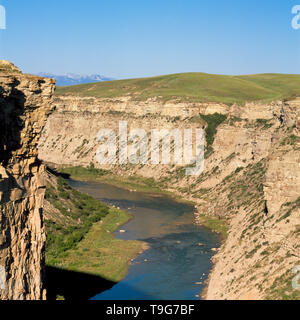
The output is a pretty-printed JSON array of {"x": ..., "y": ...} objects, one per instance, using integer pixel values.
[{"x": 25, "y": 103}]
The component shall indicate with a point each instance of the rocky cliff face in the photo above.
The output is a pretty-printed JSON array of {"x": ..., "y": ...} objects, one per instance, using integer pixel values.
[
  {"x": 25, "y": 103},
  {"x": 251, "y": 179}
]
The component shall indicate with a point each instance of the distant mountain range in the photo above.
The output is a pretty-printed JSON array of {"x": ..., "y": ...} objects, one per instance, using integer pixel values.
[{"x": 71, "y": 79}]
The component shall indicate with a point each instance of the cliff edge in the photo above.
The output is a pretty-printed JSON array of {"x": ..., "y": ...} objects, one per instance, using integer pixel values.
[{"x": 25, "y": 103}]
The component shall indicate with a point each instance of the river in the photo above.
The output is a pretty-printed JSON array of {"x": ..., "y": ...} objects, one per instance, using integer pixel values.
[{"x": 179, "y": 259}]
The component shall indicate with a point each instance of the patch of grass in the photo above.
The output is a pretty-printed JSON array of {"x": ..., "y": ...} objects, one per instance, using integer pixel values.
[
  {"x": 213, "y": 121},
  {"x": 80, "y": 211},
  {"x": 265, "y": 253},
  {"x": 81, "y": 238},
  {"x": 252, "y": 253},
  {"x": 84, "y": 173},
  {"x": 291, "y": 140},
  {"x": 216, "y": 224},
  {"x": 200, "y": 87},
  {"x": 100, "y": 252},
  {"x": 238, "y": 170},
  {"x": 138, "y": 183},
  {"x": 288, "y": 209},
  {"x": 282, "y": 289},
  {"x": 264, "y": 123}
]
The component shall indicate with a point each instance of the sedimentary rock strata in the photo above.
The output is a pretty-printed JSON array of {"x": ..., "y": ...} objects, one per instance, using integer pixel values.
[{"x": 25, "y": 103}]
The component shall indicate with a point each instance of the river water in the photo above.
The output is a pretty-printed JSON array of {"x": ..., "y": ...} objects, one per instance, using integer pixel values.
[{"x": 178, "y": 261}]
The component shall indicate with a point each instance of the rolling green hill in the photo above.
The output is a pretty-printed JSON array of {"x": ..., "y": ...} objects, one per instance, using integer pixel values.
[{"x": 200, "y": 87}]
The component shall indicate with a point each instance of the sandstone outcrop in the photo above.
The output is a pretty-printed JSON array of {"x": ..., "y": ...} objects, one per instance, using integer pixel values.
[{"x": 25, "y": 103}]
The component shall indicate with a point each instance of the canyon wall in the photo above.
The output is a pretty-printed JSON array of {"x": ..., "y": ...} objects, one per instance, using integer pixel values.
[
  {"x": 251, "y": 180},
  {"x": 25, "y": 103}
]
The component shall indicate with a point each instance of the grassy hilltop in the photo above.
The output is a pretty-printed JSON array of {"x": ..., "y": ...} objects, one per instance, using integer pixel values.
[{"x": 199, "y": 87}]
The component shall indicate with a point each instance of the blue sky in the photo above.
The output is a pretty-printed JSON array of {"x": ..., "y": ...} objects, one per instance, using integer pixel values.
[{"x": 137, "y": 38}]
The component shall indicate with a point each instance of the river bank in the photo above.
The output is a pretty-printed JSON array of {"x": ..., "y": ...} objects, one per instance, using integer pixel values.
[
  {"x": 101, "y": 253},
  {"x": 178, "y": 260},
  {"x": 217, "y": 225},
  {"x": 142, "y": 184},
  {"x": 80, "y": 230}
]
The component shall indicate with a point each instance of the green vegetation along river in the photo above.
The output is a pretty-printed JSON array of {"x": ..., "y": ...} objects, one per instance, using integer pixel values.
[{"x": 179, "y": 258}]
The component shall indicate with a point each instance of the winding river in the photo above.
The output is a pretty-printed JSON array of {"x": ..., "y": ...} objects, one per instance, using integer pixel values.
[{"x": 178, "y": 261}]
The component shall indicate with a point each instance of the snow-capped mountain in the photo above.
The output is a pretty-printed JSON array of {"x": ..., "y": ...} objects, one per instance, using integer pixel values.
[{"x": 71, "y": 79}]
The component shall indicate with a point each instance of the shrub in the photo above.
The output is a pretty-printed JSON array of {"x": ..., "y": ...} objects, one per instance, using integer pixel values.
[
  {"x": 74, "y": 205},
  {"x": 213, "y": 121}
]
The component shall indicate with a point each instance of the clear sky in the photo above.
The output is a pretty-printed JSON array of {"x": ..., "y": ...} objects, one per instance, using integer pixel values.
[{"x": 137, "y": 38}]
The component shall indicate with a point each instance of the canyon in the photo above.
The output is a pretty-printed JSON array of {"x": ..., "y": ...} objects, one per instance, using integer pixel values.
[
  {"x": 250, "y": 185},
  {"x": 251, "y": 179}
]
